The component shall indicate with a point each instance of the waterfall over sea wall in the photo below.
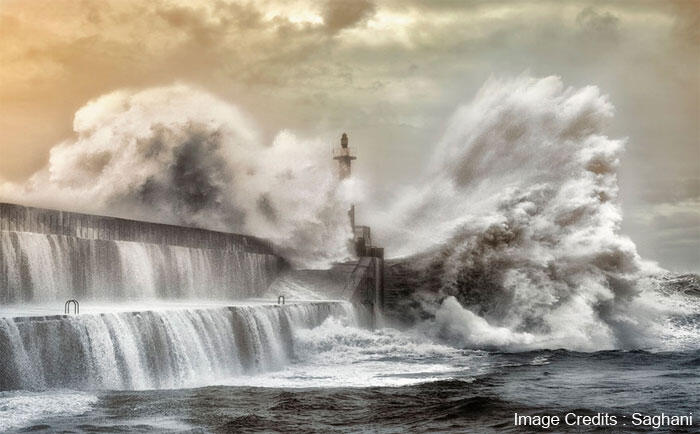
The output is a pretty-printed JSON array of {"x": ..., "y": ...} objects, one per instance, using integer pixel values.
[
  {"x": 54, "y": 267},
  {"x": 160, "y": 311},
  {"x": 48, "y": 255},
  {"x": 153, "y": 349}
]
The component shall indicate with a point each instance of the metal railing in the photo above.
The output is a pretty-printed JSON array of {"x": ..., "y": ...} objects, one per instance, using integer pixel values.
[{"x": 69, "y": 303}]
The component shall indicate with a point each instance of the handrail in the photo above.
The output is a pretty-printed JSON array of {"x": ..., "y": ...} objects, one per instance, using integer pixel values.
[
  {"x": 281, "y": 297},
  {"x": 76, "y": 307}
]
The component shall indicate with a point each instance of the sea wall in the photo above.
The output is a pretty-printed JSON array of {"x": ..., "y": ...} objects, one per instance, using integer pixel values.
[
  {"x": 49, "y": 255},
  {"x": 17, "y": 218},
  {"x": 154, "y": 349},
  {"x": 360, "y": 281}
]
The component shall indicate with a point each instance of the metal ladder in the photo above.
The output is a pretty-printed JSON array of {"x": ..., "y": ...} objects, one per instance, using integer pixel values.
[
  {"x": 280, "y": 299},
  {"x": 75, "y": 304}
]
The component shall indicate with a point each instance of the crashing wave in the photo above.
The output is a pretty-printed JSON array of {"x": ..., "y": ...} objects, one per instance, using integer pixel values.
[
  {"x": 516, "y": 230},
  {"x": 182, "y": 156}
]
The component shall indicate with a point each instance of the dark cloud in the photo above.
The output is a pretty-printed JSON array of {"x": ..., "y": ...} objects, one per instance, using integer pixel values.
[
  {"x": 687, "y": 24},
  {"x": 600, "y": 23},
  {"x": 341, "y": 14},
  {"x": 211, "y": 28}
]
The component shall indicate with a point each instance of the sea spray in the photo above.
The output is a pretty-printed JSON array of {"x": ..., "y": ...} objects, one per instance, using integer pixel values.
[
  {"x": 515, "y": 239},
  {"x": 179, "y": 155}
]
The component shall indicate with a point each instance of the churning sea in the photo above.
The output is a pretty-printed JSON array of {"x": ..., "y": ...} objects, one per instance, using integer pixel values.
[{"x": 343, "y": 378}]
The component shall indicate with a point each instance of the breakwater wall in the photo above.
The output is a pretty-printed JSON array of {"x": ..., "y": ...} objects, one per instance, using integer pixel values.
[
  {"x": 154, "y": 349},
  {"x": 50, "y": 255},
  {"x": 360, "y": 281},
  {"x": 18, "y": 218}
]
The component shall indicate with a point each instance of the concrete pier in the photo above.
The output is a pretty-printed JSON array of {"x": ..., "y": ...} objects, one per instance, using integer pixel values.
[
  {"x": 18, "y": 218},
  {"x": 360, "y": 281},
  {"x": 50, "y": 255}
]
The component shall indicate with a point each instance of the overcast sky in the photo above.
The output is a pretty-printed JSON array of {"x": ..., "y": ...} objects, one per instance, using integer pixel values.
[{"x": 387, "y": 72}]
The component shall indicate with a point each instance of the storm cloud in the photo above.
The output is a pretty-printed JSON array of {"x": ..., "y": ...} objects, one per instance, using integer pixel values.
[{"x": 388, "y": 72}]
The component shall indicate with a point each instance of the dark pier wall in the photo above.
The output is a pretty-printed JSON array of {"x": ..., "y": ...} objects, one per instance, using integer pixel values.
[
  {"x": 49, "y": 255},
  {"x": 366, "y": 283},
  {"x": 360, "y": 281},
  {"x": 365, "y": 286},
  {"x": 19, "y": 218}
]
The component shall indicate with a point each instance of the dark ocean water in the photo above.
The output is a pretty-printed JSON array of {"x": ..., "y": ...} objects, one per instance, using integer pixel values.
[{"x": 531, "y": 383}]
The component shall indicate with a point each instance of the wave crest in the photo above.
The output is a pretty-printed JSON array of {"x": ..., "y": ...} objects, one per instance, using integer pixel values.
[{"x": 517, "y": 226}]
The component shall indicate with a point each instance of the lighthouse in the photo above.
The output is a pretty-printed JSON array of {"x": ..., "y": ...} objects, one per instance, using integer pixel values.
[
  {"x": 344, "y": 158},
  {"x": 370, "y": 259}
]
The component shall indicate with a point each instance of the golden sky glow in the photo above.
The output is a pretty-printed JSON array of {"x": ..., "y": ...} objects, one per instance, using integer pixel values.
[{"x": 388, "y": 72}]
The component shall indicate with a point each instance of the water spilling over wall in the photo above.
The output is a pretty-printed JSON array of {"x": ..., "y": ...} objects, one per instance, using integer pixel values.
[
  {"x": 153, "y": 349},
  {"x": 50, "y": 255}
]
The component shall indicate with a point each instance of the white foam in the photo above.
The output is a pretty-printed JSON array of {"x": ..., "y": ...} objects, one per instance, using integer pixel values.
[
  {"x": 19, "y": 409},
  {"x": 338, "y": 354}
]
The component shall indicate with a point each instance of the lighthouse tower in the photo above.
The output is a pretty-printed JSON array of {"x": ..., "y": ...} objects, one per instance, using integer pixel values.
[
  {"x": 370, "y": 259},
  {"x": 344, "y": 158}
]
